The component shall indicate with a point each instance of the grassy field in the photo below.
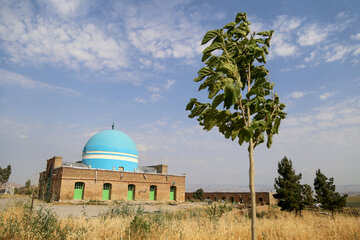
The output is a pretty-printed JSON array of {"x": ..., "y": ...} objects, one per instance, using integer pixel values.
[
  {"x": 207, "y": 222},
  {"x": 353, "y": 201}
]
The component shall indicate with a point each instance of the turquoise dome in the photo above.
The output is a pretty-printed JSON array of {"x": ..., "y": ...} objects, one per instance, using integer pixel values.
[{"x": 112, "y": 150}]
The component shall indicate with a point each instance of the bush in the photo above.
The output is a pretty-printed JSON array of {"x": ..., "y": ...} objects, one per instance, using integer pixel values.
[
  {"x": 18, "y": 222},
  {"x": 139, "y": 227},
  {"x": 120, "y": 210}
]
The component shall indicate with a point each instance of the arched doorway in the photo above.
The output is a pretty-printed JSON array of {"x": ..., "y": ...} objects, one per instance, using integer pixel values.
[
  {"x": 153, "y": 192},
  {"x": 131, "y": 192},
  {"x": 79, "y": 190},
  {"x": 107, "y": 191},
  {"x": 172, "y": 193}
]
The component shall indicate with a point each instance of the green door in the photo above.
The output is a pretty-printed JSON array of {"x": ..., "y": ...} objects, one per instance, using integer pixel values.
[
  {"x": 79, "y": 190},
  {"x": 172, "y": 193},
  {"x": 106, "y": 191},
  {"x": 131, "y": 190},
  {"x": 152, "y": 192}
]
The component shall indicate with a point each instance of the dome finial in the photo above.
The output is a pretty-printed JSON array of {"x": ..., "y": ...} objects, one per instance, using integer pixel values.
[{"x": 112, "y": 126}]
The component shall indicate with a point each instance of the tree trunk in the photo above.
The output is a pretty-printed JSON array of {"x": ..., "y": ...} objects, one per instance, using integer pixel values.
[{"x": 252, "y": 189}]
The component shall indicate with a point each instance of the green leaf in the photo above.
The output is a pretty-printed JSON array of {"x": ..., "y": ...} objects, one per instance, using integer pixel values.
[
  {"x": 205, "y": 56},
  {"x": 217, "y": 100},
  {"x": 199, "y": 78},
  {"x": 269, "y": 141},
  {"x": 277, "y": 125},
  {"x": 282, "y": 106},
  {"x": 228, "y": 133},
  {"x": 204, "y": 71},
  {"x": 209, "y": 35},
  {"x": 246, "y": 133},
  {"x": 198, "y": 110},
  {"x": 230, "y": 25},
  {"x": 230, "y": 97},
  {"x": 234, "y": 134},
  {"x": 214, "y": 89},
  {"x": 241, "y": 138},
  {"x": 212, "y": 61},
  {"x": 229, "y": 69},
  {"x": 190, "y": 105},
  {"x": 212, "y": 47},
  {"x": 265, "y": 33},
  {"x": 240, "y": 17}
]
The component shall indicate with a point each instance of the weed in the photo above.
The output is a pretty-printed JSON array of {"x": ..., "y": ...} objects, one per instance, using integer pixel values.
[
  {"x": 139, "y": 227},
  {"x": 119, "y": 210}
]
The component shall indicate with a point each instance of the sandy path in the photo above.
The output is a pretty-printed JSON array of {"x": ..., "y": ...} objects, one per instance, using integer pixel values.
[{"x": 67, "y": 210}]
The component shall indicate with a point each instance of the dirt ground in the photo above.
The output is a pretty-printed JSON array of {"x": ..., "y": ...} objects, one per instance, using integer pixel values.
[{"x": 64, "y": 210}]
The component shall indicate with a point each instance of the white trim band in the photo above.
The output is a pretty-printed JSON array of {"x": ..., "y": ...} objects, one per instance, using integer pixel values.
[
  {"x": 117, "y": 153},
  {"x": 112, "y": 157}
]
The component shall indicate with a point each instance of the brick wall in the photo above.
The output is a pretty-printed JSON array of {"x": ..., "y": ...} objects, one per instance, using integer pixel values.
[
  {"x": 239, "y": 197},
  {"x": 64, "y": 178}
]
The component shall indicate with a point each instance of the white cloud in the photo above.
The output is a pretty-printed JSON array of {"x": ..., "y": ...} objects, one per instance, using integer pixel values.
[
  {"x": 23, "y": 136},
  {"x": 169, "y": 84},
  {"x": 65, "y": 8},
  {"x": 326, "y": 95},
  {"x": 16, "y": 79},
  {"x": 314, "y": 42},
  {"x": 324, "y": 125},
  {"x": 139, "y": 100},
  {"x": 297, "y": 94},
  {"x": 164, "y": 30},
  {"x": 285, "y": 49},
  {"x": 220, "y": 15},
  {"x": 356, "y": 36},
  {"x": 155, "y": 97},
  {"x": 312, "y": 34},
  {"x": 282, "y": 43},
  {"x": 153, "y": 89},
  {"x": 38, "y": 38},
  {"x": 284, "y": 23},
  {"x": 337, "y": 52}
]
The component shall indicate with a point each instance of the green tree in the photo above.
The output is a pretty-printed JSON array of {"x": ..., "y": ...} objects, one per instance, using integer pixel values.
[
  {"x": 28, "y": 183},
  {"x": 4, "y": 174},
  {"x": 199, "y": 194},
  {"x": 326, "y": 194},
  {"x": 288, "y": 187},
  {"x": 307, "y": 195},
  {"x": 235, "y": 76}
]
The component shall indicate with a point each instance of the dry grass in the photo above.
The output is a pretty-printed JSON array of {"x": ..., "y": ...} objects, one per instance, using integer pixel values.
[{"x": 16, "y": 222}]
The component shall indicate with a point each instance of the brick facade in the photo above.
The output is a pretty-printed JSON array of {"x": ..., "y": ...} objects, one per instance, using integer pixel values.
[
  {"x": 238, "y": 197},
  {"x": 58, "y": 182}
]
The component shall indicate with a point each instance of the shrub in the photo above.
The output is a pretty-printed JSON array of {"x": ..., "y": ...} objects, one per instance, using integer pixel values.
[{"x": 139, "y": 227}]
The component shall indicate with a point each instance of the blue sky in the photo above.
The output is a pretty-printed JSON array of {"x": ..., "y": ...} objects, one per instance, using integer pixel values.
[{"x": 69, "y": 69}]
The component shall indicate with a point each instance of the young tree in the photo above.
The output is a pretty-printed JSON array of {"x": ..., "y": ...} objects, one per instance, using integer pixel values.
[
  {"x": 326, "y": 194},
  {"x": 307, "y": 195},
  {"x": 28, "y": 183},
  {"x": 4, "y": 174},
  {"x": 288, "y": 187},
  {"x": 199, "y": 194},
  {"x": 235, "y": 76}
]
